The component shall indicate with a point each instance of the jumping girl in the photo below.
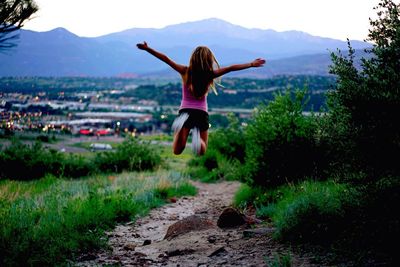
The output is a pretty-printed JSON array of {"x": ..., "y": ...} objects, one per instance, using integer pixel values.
[{"x": 197, "y": 79}]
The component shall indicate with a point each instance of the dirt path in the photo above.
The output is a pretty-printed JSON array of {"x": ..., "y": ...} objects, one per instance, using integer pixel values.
[{"x": 143, "y": 244}]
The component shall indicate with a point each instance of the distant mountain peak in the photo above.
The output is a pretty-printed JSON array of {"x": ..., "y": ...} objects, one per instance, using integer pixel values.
[
  {"x": 204, "y": 25},
  {"x": 60, "y": 31}
]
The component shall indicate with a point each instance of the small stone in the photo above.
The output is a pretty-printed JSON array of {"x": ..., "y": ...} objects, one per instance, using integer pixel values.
[
  {"x": 139, "y": 255},
  {"x": 147, "y": 242},
  {"x": 218, "y": 251},
  {"x": 230, "y": 217},
  {"x": 212, "y": 239},
  {"x": 129, "y": 246},
  {"x": 116, "y": 258},
  {"x": 179, "y": 252}
]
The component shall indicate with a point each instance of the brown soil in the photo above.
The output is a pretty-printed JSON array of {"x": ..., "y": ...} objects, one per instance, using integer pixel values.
[{"x": 194, "y": 241}]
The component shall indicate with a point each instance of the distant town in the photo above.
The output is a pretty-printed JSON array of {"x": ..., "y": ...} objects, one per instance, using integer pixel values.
[
  {"x": 81, "y": 113},
  {"x": 117, "y": 106}
]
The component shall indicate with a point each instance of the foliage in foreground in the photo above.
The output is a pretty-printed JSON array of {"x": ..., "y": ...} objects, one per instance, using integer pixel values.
[
  {"x": 48, "y": 221},
  {"x": 359, "y": 141},
  {"x": 13, "y": 14},
  {"x": 365, "y": 105},
  {"x": 352, "y": 222}
]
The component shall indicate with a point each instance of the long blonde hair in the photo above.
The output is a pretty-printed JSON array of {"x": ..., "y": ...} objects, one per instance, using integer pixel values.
[{"x": 201, "y": 71}]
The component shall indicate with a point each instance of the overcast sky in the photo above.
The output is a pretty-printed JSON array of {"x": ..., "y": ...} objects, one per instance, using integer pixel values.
[{"x": 339, "y": 19}]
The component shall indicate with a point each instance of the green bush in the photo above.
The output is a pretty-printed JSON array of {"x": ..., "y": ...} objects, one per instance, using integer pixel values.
[
  {"x": 281, "y": 146},
  {"x": 376, "y": 222},
  {"x": 364, "y": 131},
  {"x": 26, "y": 162},
  {"x": 74, "y": 166},
  {"x": 129, "y": 156},
  {"x": 314, "y": 212}
]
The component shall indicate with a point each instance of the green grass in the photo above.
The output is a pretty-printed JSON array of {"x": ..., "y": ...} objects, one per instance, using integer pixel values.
[
  {"x": 245, "y": 196},
  {"x": 309, "y": 211},
  {"x": 175, "y": 162},
  {"x": 48, "y": 221},
  {"x": 157, "y": 137},
  {"x": 213, "y": 167}
]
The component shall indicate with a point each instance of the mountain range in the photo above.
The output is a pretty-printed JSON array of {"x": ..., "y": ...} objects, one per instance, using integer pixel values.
[{"x": 61, "y": 53}]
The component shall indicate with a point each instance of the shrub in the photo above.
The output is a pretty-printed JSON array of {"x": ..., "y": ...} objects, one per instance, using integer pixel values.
[
  {"x": 26, "y": 162},
  {"x": 364, "y": 107},
  {"x": 280, "y": 142},
  {"x": 74, "y": 166},
  {"x": 357, "y": 223},
  {"x": 314, "y": 214},
  {"x": 129, "y": 156}
]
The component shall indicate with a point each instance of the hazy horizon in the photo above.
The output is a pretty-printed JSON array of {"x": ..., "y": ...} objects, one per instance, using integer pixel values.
[{"x": 338, "y": 19}]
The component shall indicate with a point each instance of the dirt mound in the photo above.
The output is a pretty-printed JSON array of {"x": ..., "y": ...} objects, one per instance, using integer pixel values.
[{"x": 188, "y": 224}]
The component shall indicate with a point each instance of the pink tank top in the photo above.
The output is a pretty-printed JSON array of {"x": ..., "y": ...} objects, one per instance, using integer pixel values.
[{"x": 189, "y": 101}]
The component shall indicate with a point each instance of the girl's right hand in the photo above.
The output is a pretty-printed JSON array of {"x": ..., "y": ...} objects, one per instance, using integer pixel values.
[
  {"x": 259, "y": 62},
  {"x": 142, "y": 46}
]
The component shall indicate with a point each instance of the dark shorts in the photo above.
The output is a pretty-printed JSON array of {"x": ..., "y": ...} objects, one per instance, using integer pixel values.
[{"x": 197, "y": 118}]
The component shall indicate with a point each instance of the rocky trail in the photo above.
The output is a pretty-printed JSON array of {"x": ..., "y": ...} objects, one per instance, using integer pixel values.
[{"x": 185, "y": 233}]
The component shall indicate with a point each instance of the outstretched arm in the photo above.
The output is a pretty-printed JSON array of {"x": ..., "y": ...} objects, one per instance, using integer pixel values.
[
  {"x": 179, "y": 68},
  {"x": 259, "y": 62}
]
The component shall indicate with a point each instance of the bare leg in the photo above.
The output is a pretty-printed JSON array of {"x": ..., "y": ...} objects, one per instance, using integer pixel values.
[
  {"x": 204, "y": 141},
  {"x": 180, "y": 139}
]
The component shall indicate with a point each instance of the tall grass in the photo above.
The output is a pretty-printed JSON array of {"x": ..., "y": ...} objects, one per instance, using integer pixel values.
[
  {"x": 48, "y": 221},
  {"x": 309, "y": 211}
]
